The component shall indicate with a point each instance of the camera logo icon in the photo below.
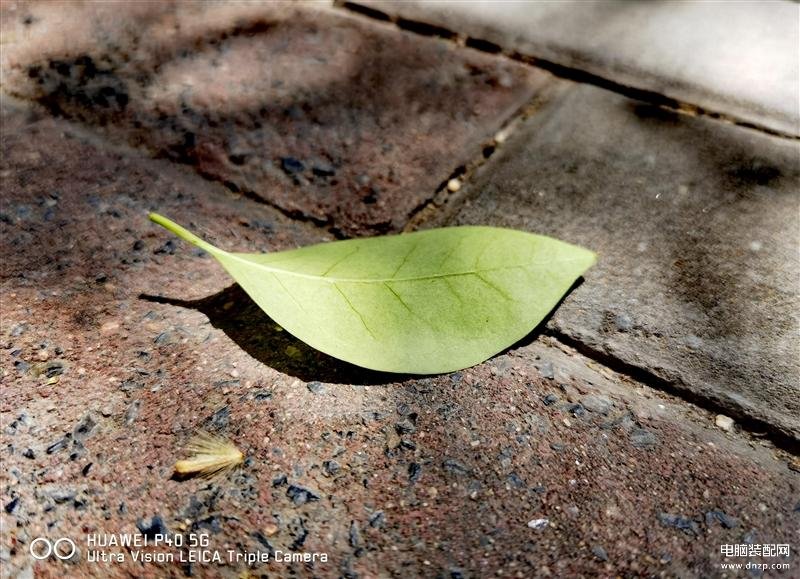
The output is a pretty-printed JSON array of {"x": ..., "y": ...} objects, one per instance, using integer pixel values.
[{"x": 63, "y": 548}]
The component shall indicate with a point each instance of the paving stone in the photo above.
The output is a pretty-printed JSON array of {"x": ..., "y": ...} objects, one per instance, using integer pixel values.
[
  {"x": 340, "y": 120},
  {"x": 738, "y": 58},
  {"x": 697, "y": 225},
  {"x": 75, "y": 284}
]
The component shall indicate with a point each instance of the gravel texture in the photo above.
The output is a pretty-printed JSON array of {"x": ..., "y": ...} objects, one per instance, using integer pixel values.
[{"x": 116, "y": 353}]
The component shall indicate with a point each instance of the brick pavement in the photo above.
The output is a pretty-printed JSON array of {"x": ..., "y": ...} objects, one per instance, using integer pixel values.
[{"x": 119, "y": 342}]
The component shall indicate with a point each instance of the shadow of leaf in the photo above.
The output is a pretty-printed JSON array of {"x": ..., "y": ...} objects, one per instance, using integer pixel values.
[{"x": 236, "y": 314}]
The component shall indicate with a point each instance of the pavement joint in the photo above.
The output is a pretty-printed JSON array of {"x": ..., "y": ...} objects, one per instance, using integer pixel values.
[
  {"x": 560, "y": 70},
  {"x": 752, "y": 426},
  {"x": 452, "y": 194}
]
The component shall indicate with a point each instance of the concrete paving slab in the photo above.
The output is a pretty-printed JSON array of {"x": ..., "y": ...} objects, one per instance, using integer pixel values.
[
  {"x": 339, "y": 120},
  {"x": 536, "y": 463},
  {"x": 697, "y": 226},
  {"x": 738, "y": 58}
]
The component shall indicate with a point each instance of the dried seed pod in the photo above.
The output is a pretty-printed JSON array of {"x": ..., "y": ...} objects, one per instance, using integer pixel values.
[{"x": 211, "y": 456}]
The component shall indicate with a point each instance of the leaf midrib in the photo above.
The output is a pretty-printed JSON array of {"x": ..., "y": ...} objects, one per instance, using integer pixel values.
[
  {"x": 378, "y": 280},
  {"x": 187, "y": 235}
]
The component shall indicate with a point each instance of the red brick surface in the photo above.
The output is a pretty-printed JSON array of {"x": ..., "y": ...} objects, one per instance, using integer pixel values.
[
  {"x": 348, "y": 123},
  {"x": 430, "y": 477},
  {"x": 118, "y": 342}
]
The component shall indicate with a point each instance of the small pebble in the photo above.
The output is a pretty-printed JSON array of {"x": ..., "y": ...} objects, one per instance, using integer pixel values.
[
  {"x": 331, "y": 467},
  {"x": 538, "y": 524},
  {"x": 292, "y": 166},
  {"x": 548, "y": 371},
  {"x": 550, "y": 399},
  {"x": 162, "y": 338},
  {"x": 315, "y": 387},
  {"x": 167, "y": 248},
  {"x": 323, "y": 170},
  {"x": 220, "y": 419},
  {"x": 723, "y": 519},
  {"x": 684, "y": 524},
  {"x": 300, "y": 495},
  {"x": 62, "y": 495},
  {"x": 623, "y": 322},
  {"x": 641, "y": 438},
  {"x": 60, "y": 444},
  {"x": 377, "y": 519},
  {"x": 453, "y": 185},
  {"x": 600, "y": 553},
  {"x": 11, "y": 506},
  {"x": 132, "y": 413},
  {"x": 414, "y": 472},
  {"x": 405, "y": 427},
  {"x": 596, "y": 403},
  {"x": 152, "y": 527},
  {"x": 354, "y": 535},
  {"x": 19, "y": 329},
  {"x": 453, "y": 466},
  {"x": 270, "y": 529},
  {"x": 576, "y": 409},
  {"x": 84, "y": 428},
  {"x": 724, "y": 422}
]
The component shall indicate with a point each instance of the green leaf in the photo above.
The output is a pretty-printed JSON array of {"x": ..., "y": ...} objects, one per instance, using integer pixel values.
[{"x": 421, "y": 303}]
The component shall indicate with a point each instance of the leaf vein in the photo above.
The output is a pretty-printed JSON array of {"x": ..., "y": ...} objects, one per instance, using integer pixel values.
[
  {"x": 339, "y": 261},
  {"x": 288, "y": 293},
  {"x": 407, "y": 307},
  {"x": 352, "y": 307},
  {"x": 494, "y": 287},
  {"x": 453, "y": 291},
  {"x": 405, "y": 259}
]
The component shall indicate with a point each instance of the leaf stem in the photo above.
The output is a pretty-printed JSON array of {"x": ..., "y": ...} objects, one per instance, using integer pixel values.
[{"x": 183, "y": 233}]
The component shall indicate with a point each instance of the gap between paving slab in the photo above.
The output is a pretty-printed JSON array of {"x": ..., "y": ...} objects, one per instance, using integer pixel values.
[{"x": 409, "y": 17}]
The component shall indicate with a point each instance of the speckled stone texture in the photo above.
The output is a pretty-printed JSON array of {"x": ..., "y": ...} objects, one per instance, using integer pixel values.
[
  {"x": 736, "y": 58},
  {"x": 119, "y": 342},
  {"x": 697, "y": 227},
  {"x": 348, "y": 124}
]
